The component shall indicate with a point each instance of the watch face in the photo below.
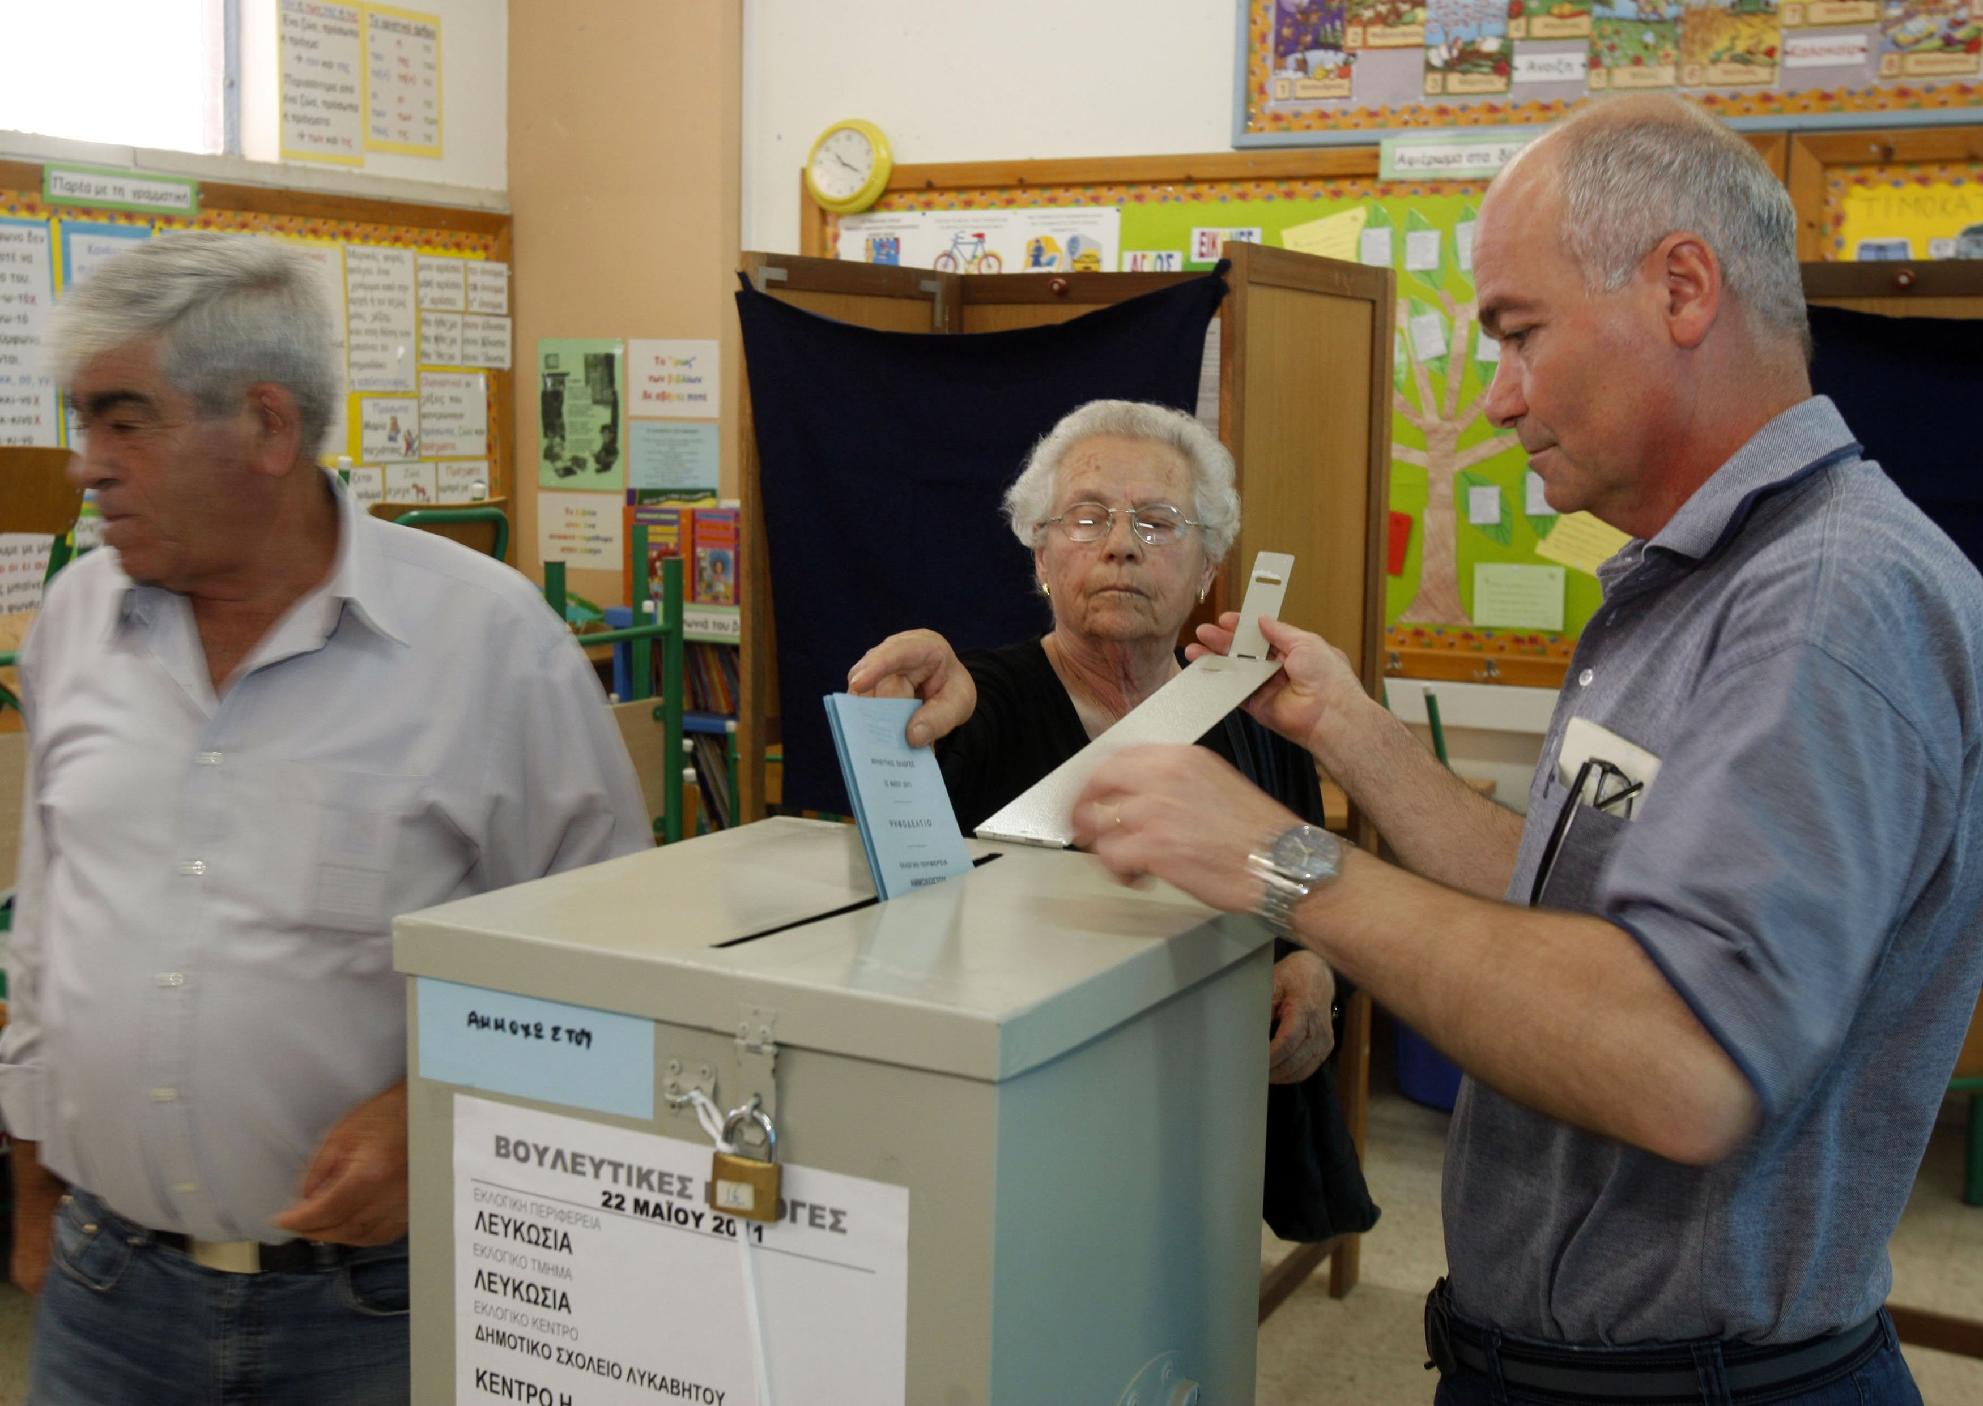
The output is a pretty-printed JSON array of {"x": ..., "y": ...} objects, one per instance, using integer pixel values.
[
  {"x": 842, "y": 164},
  {"x": 1307, "y": 854}
]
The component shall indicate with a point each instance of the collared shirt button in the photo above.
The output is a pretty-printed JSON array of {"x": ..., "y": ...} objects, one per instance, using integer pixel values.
[
  {"x": 207, "y": 758},
  {"x": 1584, "y": 679},
  {"x": 169, "y": 979},
  {"x": 164, "y": 1095},
  {"x": 194, "y": 867}
]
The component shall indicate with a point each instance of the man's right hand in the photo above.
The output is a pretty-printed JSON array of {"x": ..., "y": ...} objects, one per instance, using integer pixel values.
[
  {"x": 1315, "y": 688},
  {"x": 918, "y": 664},
  {"x": 37, "y": 1192}
]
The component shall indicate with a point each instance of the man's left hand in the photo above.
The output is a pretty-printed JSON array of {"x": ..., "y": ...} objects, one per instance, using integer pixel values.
[
  {"x": 1182, "y": 815},
  {"x": 1304, "y": 991},
  {"x": 354, "y": 1190}
]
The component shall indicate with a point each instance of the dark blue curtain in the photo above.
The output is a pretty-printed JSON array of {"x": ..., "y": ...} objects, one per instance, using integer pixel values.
[
  {"x": 1909, "y": 388},
  {"x": 883, "y": 457}
]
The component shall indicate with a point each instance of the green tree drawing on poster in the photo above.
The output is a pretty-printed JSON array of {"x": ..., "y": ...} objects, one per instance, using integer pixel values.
[{"x": 1441, "y": 411}]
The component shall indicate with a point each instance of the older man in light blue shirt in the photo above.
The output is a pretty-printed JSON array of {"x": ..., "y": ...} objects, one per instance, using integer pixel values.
[{"x": 262, "y": 724}]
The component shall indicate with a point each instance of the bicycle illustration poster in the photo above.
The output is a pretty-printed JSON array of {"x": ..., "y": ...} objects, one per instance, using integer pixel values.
[{"x": 1050, "y": 240}]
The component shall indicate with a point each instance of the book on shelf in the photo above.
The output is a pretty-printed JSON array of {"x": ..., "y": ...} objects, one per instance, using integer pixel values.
[
  {"x": 667, "y": 536},
  {"x": 713, "y": 574}
]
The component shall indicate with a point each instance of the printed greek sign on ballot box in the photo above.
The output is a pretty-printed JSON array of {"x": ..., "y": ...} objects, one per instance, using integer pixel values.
[{"x": 589, "y": 1269}]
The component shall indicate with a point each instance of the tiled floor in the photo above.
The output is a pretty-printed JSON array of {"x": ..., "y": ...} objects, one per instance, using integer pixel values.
[{"x": 1366, "y": 1350}]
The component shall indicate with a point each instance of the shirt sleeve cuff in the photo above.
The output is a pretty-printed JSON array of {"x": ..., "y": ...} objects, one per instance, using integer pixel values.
[{"x": 20, "y": 1101}]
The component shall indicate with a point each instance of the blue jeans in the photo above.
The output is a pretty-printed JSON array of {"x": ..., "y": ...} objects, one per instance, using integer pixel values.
[
  {"x": 1883, "y": 1380},
  {"x": 124, "y": 1321}
]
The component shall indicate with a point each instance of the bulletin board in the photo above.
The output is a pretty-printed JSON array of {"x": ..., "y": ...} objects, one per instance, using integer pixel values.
[
  {"x": 440, "y": 468},
  {"x": 1319, "y": 71},
  {"x": 1447, "y": 461}
]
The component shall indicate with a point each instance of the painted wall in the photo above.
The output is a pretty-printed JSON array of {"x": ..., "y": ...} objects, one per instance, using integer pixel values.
[
  {"x": 624, "y": 151},
  {"x": 1021, "y": 79}
]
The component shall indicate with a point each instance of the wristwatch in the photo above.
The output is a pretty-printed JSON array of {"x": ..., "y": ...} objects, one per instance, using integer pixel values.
[{"x": 1291, "y": 866}]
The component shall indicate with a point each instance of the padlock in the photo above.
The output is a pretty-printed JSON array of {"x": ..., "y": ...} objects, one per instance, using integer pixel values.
[{"x": 742, "y": 1185}]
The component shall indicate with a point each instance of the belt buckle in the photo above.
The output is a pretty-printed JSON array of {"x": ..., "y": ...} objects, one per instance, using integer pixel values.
[
  {"x": 228, "y": 1256},
  {"x": 1439, "y": 1333}
]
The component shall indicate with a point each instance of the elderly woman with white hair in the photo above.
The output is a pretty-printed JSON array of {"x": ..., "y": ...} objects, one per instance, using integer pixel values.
[{"x": 1129, "y": 509}]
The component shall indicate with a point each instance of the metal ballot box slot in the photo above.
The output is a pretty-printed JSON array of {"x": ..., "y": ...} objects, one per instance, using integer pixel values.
[{"x": 1029, "y": 1102}]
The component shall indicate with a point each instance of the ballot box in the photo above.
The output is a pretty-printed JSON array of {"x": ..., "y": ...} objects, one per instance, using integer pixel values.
[{"x": 1018, "y": 1121}]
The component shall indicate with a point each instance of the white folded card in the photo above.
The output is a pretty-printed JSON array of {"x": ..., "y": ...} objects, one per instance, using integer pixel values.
[{"x": 1183, "y": 710}]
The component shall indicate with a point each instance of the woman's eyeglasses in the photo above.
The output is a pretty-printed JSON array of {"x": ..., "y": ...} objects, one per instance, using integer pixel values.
[{"x": 1155, "y": 524}]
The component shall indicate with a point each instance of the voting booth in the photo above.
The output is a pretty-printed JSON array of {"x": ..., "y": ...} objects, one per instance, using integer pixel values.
[{"x": 1018, "y": 1117}]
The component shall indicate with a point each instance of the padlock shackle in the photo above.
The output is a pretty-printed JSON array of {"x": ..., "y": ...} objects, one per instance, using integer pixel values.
[{"x": 750, "y": 1112}]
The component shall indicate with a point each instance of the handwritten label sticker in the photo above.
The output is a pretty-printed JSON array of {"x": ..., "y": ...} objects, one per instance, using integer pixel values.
[{"x": 532, "y": 1048}]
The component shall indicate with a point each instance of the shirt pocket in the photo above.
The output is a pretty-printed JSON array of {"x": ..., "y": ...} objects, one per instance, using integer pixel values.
[
  {"x": 1583, "y": 854},
  {"x": 353, "y": 829}
]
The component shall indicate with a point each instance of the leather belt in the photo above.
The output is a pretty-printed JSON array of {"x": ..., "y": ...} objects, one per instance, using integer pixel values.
[
  {"x": 1668, "y": 1372},
  {"x": 249, "y": 1256}
]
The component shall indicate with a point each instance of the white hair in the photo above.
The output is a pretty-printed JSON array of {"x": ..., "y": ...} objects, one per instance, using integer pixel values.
[
  {"x": 1636, "y": 170},
  {"x": 1214, "y": 500},
  {"x": 228, "y": 311}
]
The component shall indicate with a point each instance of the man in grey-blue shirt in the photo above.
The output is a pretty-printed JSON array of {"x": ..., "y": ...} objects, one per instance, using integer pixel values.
[
  {"x": 261, "y": 725},
  {"x": 1710, "y": 992}
]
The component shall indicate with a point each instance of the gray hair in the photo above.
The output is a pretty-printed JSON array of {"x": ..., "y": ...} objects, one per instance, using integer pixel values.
[
  {"x": 228, "y": 311},
  {"x": 1636, "y": 170},
  {"x": 1215, "y": 502}
]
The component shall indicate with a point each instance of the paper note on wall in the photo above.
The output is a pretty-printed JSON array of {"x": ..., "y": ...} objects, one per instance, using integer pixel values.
[
  {"x": 454, "y": 415},
  {"x": 1331, "y": 237},
  {"x": 323, "y": 116},
  {"x": 388, "y": 427},
  {"x": 402, "y": 81},
  {"x": 379, "y": 301},
  {"x": 1483, "y": 505},
  {"x": 1516, "y": 596},
  {"x": 668, "y": 454},
  {"x": 1535, "y": 491},
  {"x": 1581, "y": 541},
  {"x": 485, "y": 341},
  {"x": 440, "y": 339},
  {"x": 673, "y": 379},
  {"x": 581, "y": 529},
  {"x": 410, "y": 483},
  {"x": 489, "y": 287},
  {"x": 88, "y": 245},
  {"x": 443, "y": 283},
  {"x": 461, "y": 481},
  {"x": 27, "y": 291}
]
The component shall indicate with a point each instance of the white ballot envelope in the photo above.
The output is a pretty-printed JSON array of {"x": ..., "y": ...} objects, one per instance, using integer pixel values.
[{"x": 1183, "y": 710}]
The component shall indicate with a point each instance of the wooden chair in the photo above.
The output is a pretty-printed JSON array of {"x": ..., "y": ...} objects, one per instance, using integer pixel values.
[
  {"x": 483, "y": 527},
  {"x": 36, "y": 496}
]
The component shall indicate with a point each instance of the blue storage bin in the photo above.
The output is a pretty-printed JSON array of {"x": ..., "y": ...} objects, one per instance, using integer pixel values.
[{"x": 1424, "y": 1075}]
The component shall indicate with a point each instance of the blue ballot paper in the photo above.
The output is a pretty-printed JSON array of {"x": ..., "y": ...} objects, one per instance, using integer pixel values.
[{"x": 906, "y": 822}]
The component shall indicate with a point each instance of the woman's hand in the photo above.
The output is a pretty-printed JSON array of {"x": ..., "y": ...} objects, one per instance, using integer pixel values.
[
  {"x": 918, "y": 664},
  {"x": 1304, "y": 1034},
  {"x": 1315, "y": 688}
]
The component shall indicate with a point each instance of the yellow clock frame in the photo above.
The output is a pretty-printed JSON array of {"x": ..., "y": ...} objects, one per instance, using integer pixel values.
[{"x": 877, "y": 180}]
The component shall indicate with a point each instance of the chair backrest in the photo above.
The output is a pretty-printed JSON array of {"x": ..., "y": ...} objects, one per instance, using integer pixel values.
[
  {"x": 35, "y": 492},
  {"x": 485, "y": 529}
]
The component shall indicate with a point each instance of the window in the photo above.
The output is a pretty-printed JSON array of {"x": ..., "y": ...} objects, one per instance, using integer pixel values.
[{"x": 148, "y": 73}]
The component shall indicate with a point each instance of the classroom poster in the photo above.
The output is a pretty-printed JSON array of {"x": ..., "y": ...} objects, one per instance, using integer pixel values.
[
  {"x": 581, "y": 394},
  {"x": 441, "y": 284},
  {"x": 87, "y": 245},
  {"x": 485, "y": 341},
  {"x": 1077, "y": 239},
  {"x": 488, "y": 287},
  {"x": 672, "y": 456},
  {"x": 322, "y": 56},
  {"x": 440, "y": 339},
  {"x": 454, "y": 415},
  {"x": 674, "y": 379},
  {"x": 388, "y": 427},
  {"x": 402, "y": 81},
  {"x": 27, "y": 291},
  {"x": 379, "y": 303},
  {"x": 461, "y": 481},
  {"x": 581, "y": 529},
  {"x": 409, "y": 483}
]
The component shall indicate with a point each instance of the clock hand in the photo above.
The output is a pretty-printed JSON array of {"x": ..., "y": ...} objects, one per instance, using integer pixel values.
[{"x": 844, "y": 162}]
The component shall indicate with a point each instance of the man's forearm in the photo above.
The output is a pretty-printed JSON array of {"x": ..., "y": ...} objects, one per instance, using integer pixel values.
[
  {"x": 1436, "y": 824},
  {"x": 1562, "y": 1012},
  {"x": 36, "y": 1194}
]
